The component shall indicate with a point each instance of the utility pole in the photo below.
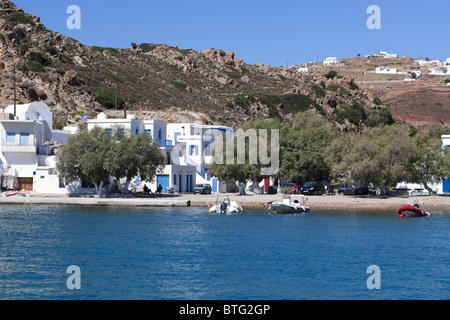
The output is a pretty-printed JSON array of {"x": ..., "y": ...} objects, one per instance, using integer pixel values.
[{"x": 14, "y": 76}]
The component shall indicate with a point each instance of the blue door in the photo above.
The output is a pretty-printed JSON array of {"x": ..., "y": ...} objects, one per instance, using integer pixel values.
[
  {"x": 179, "y": 185},
  {"x": 175, "y": 136},
  {"x": 446, "y": 185},
  {"x": 164, "y": 182},
  {"x": 214, "y": 185}
]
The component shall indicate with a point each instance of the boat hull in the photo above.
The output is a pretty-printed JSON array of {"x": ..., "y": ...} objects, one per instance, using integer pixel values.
[
  {"x": 280, "y": 208},
  {"x": 234, "y": 208},
  {"x": 411, "y": 211}
]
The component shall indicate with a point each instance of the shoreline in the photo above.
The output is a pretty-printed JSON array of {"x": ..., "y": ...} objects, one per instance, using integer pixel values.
[{"x": 251, "y": 201}]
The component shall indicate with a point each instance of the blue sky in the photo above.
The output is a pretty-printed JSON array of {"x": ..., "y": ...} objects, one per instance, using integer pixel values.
[{"x": 283, "y": 32}]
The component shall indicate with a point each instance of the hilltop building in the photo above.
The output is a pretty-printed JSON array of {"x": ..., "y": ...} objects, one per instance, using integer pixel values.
[
  {"x": 330, "y": 61},
  {"x": 387, "y": 55},
  {"x": 440, "y": 71},
  {"x": 385, "y": 70}
]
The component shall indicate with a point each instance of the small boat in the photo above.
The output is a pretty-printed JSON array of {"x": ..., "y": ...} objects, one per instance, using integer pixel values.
[
  {"x": 226, "y": 207},
  {"x": 11, "y": 193},
  {"x": 412, "y": 209},
  {"x": 290, "y": 204}
]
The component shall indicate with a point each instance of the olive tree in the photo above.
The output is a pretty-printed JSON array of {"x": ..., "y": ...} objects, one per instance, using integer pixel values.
[{"x": 83, "y": 158}]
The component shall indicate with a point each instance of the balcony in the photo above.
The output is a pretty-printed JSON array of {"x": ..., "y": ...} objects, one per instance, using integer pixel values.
[
  {"x": 5, "y": 148},
  {"x": 164, "y": 143}
]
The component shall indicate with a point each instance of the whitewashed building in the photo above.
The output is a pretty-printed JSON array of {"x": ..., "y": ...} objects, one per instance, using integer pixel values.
[
  {"x": 26, "y": 160},
  {"x": 387, "y": 55},
  {"x": 187, "y": 147},
  {"x": 440, "y": 71},
  {"x": 330, "y": 61},
  {"x": 385, "y": 70}
]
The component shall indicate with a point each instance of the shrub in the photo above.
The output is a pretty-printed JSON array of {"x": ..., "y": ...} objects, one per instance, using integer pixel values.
[
  {"x": 109, "y": 99},
  {"x": 385, "y": 116},
  {"x": 46, "y": 61},
  {"x": 52, "y": 50},
  {"x": 35, "y": 66},
  {"x": 179, "y": 85},
  {"x": 354, "y": 86},
  {"x": 354, "y": 113},
  {"x": 22, "y": 18},
  {"x": 114, "y": 52},
  {"x": 318, "y": 91},
  {"x": 331, "y": 74},
  {"x": 147, "y": 47}
]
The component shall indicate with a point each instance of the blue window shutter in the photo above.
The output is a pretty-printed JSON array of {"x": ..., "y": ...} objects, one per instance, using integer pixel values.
[
  {"x": 24, "y": 138},
  {"x": 10, "y": 138}
]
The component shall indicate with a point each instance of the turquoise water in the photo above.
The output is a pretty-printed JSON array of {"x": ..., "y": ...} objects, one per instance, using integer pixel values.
[{"x": 185, "y": 253}]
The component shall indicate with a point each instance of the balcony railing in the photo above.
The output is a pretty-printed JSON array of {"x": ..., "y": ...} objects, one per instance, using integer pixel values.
[
  {"x": 200, "y": 170},
  {"x": 164, "y": 143}
]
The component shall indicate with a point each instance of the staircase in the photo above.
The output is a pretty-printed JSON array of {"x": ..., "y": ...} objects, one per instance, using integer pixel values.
[{"x": 200, "y": 171}]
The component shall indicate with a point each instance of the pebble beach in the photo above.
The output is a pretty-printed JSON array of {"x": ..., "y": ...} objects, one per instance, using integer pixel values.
[{"x": 337, "y": 202}]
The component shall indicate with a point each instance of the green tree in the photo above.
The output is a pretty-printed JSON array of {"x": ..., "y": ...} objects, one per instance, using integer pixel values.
[
  {"x": 380, "y": 157},
  {"x": 97, "y": 154},
  {"x": 133, "y": 156},
  {"x": 303, "y": 147},
  {"x": 444, "y": 164},
  {"x": 83, "y": 158},
  {"x": 232, "y": 171},
  {"x": 109, "y": 99},
  {"x": 424, "y": 165}
]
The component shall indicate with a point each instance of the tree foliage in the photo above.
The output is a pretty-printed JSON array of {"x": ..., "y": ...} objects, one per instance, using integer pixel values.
[
  {"x": 83, "y": 158},
  {"x": 97, "y": 154},
  {"x": 302, "y": 149}
]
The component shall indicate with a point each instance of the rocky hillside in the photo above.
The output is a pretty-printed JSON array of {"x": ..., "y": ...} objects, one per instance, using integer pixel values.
[{"x": 164, "y": 83}]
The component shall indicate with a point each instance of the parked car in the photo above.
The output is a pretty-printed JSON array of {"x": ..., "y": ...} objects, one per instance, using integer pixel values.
[
  {"x": 364, "y": 190},
  {"x": 292, "y": 186},
  {"x": 313, "y": 188},
  {"x": 345, "y": 189},
  {"x": 202, "y": 188}
]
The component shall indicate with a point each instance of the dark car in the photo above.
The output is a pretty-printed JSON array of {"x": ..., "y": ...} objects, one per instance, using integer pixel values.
[
  {"x": 345, "y": 189},
  {"x": 313, "y": 188},
  {"x": 364, "y": 190},
  {"x": 203, "y": 188},
  {"x": 292, "y": 186}
]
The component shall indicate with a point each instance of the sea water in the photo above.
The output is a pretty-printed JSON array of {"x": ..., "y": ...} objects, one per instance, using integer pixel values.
[{"x": 186, "y": 253}]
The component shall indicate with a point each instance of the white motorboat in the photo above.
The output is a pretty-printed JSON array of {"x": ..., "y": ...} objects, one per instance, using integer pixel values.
[
  {"x": 290, "y": 204},
  {"x": 226, "y": 207}
]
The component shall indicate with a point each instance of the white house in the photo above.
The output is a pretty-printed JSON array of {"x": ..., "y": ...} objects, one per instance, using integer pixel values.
[
  {"x": 187, "y": 147},
  {"x": 440, "y": 71},
  {"x": 303, "y": 69},
  {"x": 384, "y": 70},
  {"x": 424, "y": 62},
  {"x": 388, "y": 55},
  {"x": 26, "y": 160},
  {"x": 330, "y": 61}
]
